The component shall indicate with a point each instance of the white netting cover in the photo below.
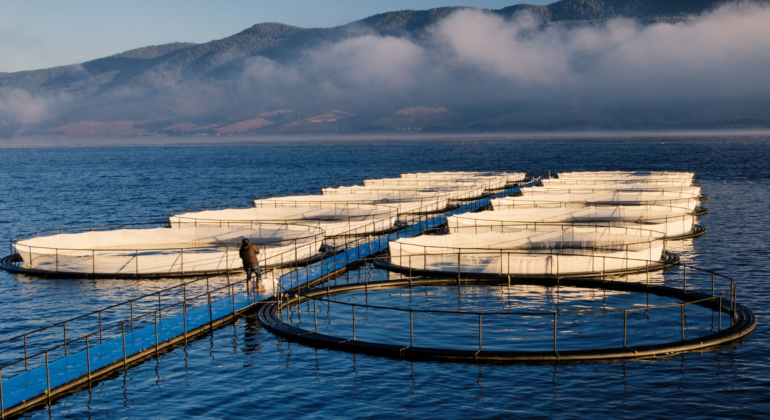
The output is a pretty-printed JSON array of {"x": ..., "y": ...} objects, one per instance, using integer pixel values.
[
  {"x": 639, "y": 175},
  {"x": 333, "y": 218},
  {"x": 509, "y": 176},
  {"x": 627, "y": 184},
  {"x": 453, "y": 190},
  {"x": 570, "y": 251},
  {"x": 488, "y": 182},
  {"x": 667, "y": 221},
  {"x": 692, "y": 191},
  {"x": 403, "y": 201},
  {"x": 167, "y": 250},
  {"x": 558, "y": 198}
]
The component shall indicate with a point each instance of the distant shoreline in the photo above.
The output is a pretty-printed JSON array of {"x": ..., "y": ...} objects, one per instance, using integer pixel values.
[{"x": 32, "y": 142}]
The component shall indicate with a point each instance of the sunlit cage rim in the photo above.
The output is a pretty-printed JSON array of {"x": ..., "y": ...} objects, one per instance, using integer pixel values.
[
  {"x": 485, "y": 193},
  {"x": 697, "y": 230},
  {"x": 668, "y": 260},
  {"x": 393, "y": 205}
]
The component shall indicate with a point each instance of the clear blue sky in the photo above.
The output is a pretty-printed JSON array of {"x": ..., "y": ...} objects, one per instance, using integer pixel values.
[{"x": 45, "y": 33}]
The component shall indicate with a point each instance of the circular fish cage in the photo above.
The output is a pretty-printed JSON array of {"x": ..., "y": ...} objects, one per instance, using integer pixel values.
[
  {"x": 139, "y": 251},
  {"x": 672, "y": 223},
  {"x": 611, "y": 193},
  {"x": 638, "y": 176},
  {"x": 490, "y": 177},
  {"x": 576, "y": 252},
  {"x": 404, "y": 201},
  {"x": 348, "y": 317},
  {"x": 454, "y": 191},
  {"x": 487, "y": 183},
  {"x": 333, "y": 219}
]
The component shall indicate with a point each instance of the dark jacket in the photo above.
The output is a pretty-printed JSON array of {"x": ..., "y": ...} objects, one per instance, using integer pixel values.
[{"x": 249, "y": 255}]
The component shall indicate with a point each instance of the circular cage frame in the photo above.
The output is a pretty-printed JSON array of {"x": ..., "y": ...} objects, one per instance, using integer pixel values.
[{"x": 742, "y": 321}]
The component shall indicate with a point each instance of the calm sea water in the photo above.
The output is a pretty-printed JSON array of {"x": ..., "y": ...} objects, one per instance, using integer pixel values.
[{"x": 243, "y": 370}]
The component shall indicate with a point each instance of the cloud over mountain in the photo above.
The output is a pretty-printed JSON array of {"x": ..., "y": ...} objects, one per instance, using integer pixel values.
[{"x": 493, "y": 70}]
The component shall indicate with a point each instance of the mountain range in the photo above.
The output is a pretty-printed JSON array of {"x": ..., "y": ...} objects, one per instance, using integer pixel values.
[{"x": 275, "y": 78}]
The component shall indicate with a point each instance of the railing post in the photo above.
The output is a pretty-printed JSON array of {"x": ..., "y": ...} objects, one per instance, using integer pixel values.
[
  {"x": 458, "y": 268},
  {"x": 555, "y": 320},
  {"x": 184, "y": 309},
  {"x": 88, "y": 361},
  {"x": 232, "y": 295},
  {"x": 684, "y": 280},
  {"x": 47, "y": 377},
  {"x": 411, "y": 329},
  {"x": 211, "y": 314},
  {"x": 26, "y": 369},
  {"x": 156, "y": 334},
  {"x": 136, "y": 258},
  {"x": 93, "y": 261},
  {"x": 123, "y": 330}
]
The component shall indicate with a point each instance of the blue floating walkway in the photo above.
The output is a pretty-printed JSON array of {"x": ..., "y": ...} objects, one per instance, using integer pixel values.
[{"x": 30, "y": 388}]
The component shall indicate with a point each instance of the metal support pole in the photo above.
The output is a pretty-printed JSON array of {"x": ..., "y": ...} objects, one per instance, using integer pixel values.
[
  {"x": 156, "y": 334},
  {"x": 211, "y": 314},
  {"x": 88, "y": 359},
  {"x": 458, "y": 268},
  {"x": 555, "y": 319},
  {"x": 354, "y": 322},
  {"x": 231, "y": 289},
  {"x": 47, "y": 377},
  {"x": 26, "y": 368},
  {"x": 184, "y": 310},
  {"x": 123, "y": 328},
  {"x": 411, "y": 330}
]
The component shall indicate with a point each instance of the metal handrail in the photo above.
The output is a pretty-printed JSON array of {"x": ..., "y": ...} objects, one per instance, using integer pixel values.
[{"x": 102, "y": 329}]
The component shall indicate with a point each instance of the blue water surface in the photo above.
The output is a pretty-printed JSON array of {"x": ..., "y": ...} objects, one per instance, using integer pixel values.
[{"x": 243, "y": 370}]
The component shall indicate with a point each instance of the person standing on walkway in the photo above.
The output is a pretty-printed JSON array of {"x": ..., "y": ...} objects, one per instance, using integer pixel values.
[{"x": 248, "y": 254}]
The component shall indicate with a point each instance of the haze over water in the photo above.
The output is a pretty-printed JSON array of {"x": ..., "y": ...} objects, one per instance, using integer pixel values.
[{"x": 244, "y": 370}]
